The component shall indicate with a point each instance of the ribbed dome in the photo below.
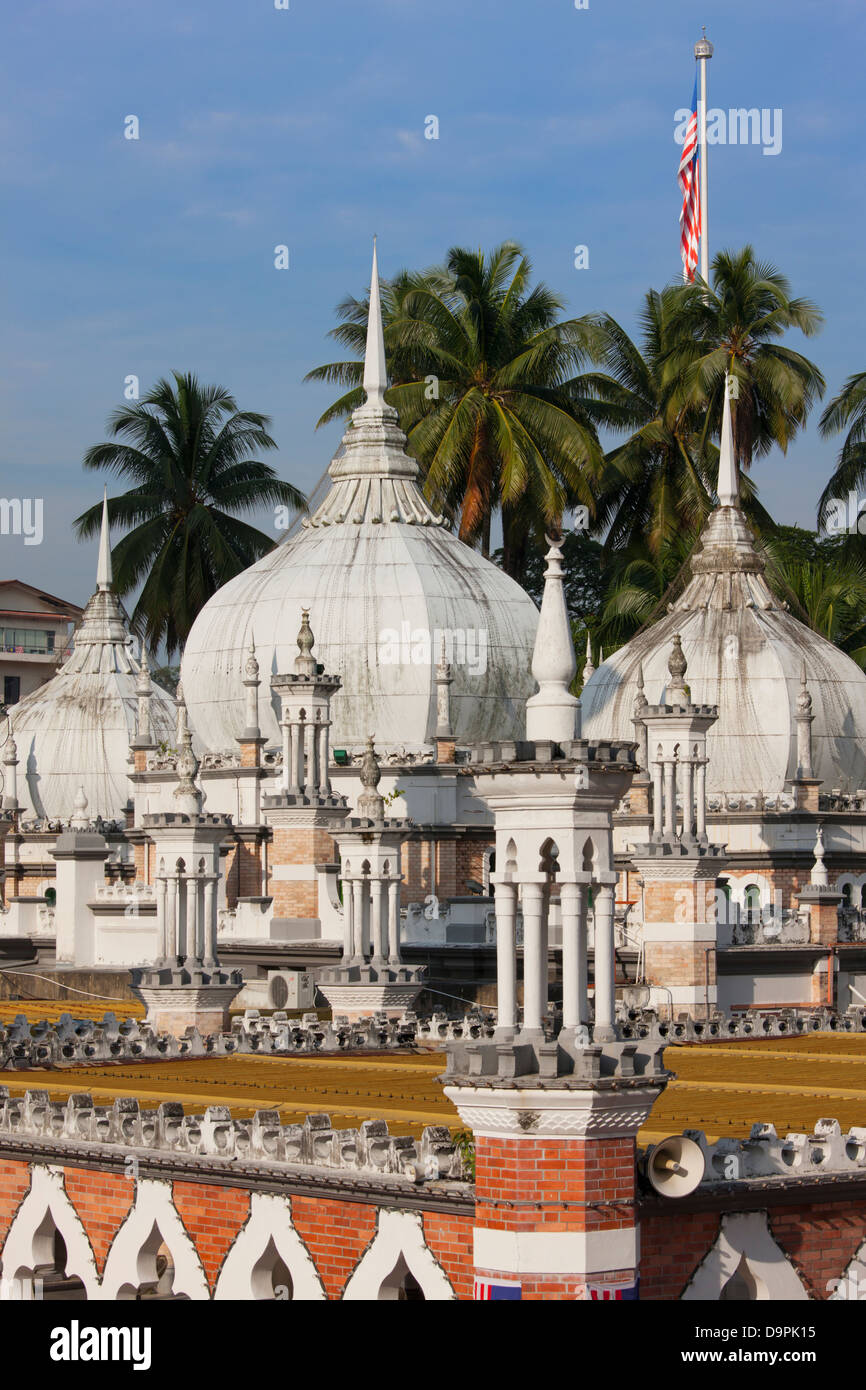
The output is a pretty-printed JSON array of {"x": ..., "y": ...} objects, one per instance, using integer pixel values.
[
  {"x": 381, "y": 577},
  {"x": 75, "y": 730},
  {"x": 745, "y": 653}
]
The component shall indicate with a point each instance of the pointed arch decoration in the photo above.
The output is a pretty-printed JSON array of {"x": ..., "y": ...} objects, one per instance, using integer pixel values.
[
  {"x": 268, "y": 1236},
  {"x": 397, "y": 1249},
  {"x": 767, "y": 1269},
  {"x": 153, "y": 1223},
  {"x": 30, "y": 1240}
]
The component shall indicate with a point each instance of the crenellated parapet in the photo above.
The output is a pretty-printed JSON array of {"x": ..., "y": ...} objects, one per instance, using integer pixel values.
[{"x": 169, "y": 1132}]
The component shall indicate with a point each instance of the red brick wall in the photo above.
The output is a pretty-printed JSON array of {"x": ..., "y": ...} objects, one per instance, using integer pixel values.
[
  {"x": 336, "y": 1235},
  {"x": 213, "y": 1216},
  {"x": 819, "y": 1240},
  {"x": 14, "y": 1186},
  {"x": 450, "y": 1239},
  {"x": 103, "y": 1201},
  {"x": 672, "y": 1246},
  {"x": 561, "y": 1176}
]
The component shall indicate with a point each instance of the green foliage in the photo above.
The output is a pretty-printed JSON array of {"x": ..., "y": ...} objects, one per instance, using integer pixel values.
[
  {"x": 187, "y": 453},
  {"x": 482, "y": 373},
  {"x": 464, "y": 1142}
]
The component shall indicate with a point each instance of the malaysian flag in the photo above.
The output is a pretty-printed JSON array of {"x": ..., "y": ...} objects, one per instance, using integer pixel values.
[
  {"x": 496, "y": 1290},
  {"x": 688, "y": 178},
  {"x": 604, "y": 1293}
]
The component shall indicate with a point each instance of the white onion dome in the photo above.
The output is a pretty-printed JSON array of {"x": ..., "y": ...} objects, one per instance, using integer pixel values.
[
  {"x": 73, "y": 733},
  {"x": 746, "y": 653},
  {"x": 384, "y": 580}
]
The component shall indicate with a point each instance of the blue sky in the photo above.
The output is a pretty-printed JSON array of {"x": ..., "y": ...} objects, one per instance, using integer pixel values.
[{"x": 305, "y": 127}]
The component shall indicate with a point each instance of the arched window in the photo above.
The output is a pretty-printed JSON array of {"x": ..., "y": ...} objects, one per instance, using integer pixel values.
[
  {"x": 50, "y": 1280},
  {"x": 270, "y": 1275},
  {"x": 742, "y": 1287},
  {"x": 401, "y": 1285},
  {"x": 752, "y": 903}
]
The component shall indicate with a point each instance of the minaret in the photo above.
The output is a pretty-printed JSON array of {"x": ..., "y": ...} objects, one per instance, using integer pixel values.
[
  {"x": 822, "y": 901},
  {"x": 588, "y": 668},
  {"x": 10, "y": 777},
  {"x": 144, "y": 692},
  {"x": 444, "y": 731},
  {"x": 804, "y": 786},
  {"x": 553, "y": 714},
  {"x": 300, "y": 813},
  {"x": 677, "y": 864},
  {"x": 371, "y": 976},
  {"x": 187, "y": 796}
]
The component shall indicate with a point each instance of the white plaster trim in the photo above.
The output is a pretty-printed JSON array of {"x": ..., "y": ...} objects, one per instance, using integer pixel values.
[
  {"x": 553, "y": 1114},
  {"x": 398, "y": 1233},
  {"x": 852, "y": 1284},
  {"x": 270, "y": 1219},
  {"x": 293, "y": 873},
  {"x": 556, "y": 1252},
  {"x": 48, "y": 1194},
  {"x": 126, "y": 1258},
  {"x": 689, "y": 994},
  {"x": 746, "y": 1233},
  {"x": 679, "y": 931}
]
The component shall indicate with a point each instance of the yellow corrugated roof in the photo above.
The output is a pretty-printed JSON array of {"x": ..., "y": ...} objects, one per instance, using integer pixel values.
[{"x": 721, "y": 1088}]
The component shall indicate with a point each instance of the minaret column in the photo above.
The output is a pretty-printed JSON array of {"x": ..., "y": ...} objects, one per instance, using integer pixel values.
[
  {"x": 605, "y": 960},
  {"x": 534, "y": 957},
  {"x": 573, "y": 904}
]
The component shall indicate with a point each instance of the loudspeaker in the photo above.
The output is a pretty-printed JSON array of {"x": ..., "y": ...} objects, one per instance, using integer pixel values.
[{"x": 675, "y": 1167}]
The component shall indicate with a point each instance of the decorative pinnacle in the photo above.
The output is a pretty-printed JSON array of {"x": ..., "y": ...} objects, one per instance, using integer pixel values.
[
  {"x": 820, "y": 877},
  {"x": 370, "y": 805},
  {"x": 79, "y": 819},
  {"x": 588, "y": 668},
  {"x": 104, "y": 575},
  {"x": 677, "y": 692},
  {"x": 143, "y": 685},
  {"x": 804, "y": 699},
  {"x": 640, "y": 699},
  {"x": 375, "y": 371},
  {"x": 251, "y": 666},
  {"x": 305, "y": 662},
  {"x": 728, "y": 488}
]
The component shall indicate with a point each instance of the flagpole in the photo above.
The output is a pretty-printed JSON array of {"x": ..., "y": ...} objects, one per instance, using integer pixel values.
[{"x": 703, "y": 53}]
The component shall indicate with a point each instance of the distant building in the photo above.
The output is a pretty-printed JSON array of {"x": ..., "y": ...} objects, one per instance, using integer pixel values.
[{"x": 34, "y": 634}]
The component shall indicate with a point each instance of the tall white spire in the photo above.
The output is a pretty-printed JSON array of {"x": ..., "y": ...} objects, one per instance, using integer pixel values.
[
  {"x": 554, "y": 712},
  {"x": 375, "y": 374},
  {"x": 728, "y": 490},
  {"x": 104, "y": 575}
]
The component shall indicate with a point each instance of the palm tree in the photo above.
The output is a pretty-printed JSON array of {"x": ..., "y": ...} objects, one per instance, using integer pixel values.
[
  {"x": 734, "y": 327},
  {"x": 846, "y": 411},
  {"x": 658, "y": 486},
  {"x": 189, "y": 454},
  {"x": 824, "y": 585},
  {"x": 482, "y": 373}
]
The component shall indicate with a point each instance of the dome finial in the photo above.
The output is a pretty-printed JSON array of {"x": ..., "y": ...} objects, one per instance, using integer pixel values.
[
  {"x": 104, "y": 574},
  {"x": 305, "y": 662},
  {"x": 728, "y": 490},
  {"x": 375, "y": 371}
]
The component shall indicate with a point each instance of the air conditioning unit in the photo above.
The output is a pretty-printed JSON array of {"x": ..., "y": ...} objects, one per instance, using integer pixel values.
[{"x": 291, "y": 989}]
